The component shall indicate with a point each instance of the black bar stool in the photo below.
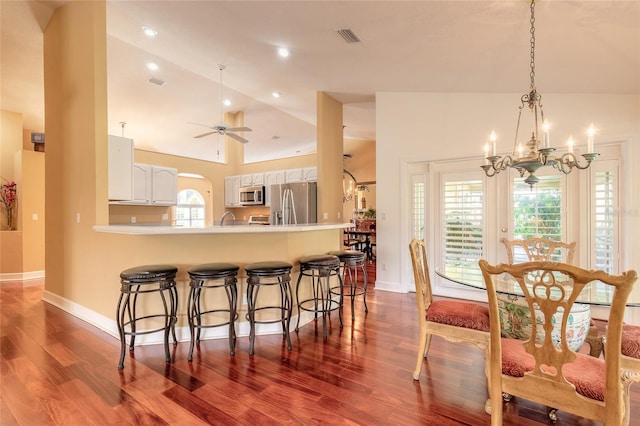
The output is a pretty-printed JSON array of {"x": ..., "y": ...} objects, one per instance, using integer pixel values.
[
  {"x": 261, "y": 274},
  {"x": 159, "y": 279},
  {"x": 352, "y": 261},
  {"x": 319, "y": 267},
  {"x": 212, "y": 275}
]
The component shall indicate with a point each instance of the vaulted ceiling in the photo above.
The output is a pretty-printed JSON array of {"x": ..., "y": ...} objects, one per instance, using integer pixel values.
[{"x": 416, "y": 46}]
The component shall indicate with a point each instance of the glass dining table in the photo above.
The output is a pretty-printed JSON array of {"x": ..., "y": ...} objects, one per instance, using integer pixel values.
[
  {"x": 470, "y": 275},
  {"x": 514, "y": 311}
]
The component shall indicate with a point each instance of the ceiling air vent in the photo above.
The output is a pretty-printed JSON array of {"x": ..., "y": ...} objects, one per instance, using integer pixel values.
[
  {"x": 349, "y": 36},
  {"x": 157, "y": 81}
]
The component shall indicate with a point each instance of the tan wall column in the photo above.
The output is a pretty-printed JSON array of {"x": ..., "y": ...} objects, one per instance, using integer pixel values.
[
  {"x": 75, "y": 84},
  {"x": 329, "y": 112}
]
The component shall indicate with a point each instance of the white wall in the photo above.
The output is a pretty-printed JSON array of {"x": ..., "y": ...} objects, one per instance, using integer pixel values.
[{"x": 414, "y": 127}]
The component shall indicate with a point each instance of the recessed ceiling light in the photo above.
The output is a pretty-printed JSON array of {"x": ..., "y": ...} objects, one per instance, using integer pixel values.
[
  {"x": 226, "y": 102},
  {"x": 149, "y": 32},
  {"x": 152, "y": 66},
  {"x": 283, "y": 52},
  {"x": 276, "y": 94}
]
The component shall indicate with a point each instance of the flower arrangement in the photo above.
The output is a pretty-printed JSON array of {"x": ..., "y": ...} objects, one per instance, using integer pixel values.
[{"x": 9, "y": 199}]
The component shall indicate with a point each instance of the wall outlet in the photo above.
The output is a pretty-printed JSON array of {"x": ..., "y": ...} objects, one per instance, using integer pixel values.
[
  {"x": 338, "y": 215},
  {"x": 133, "y": 219},
  {"x": 165, "y": 216},
  {"x": 325, "y": 216},
  {"x": 34, "y": 216},
  {"x": 77, "y": 217},
  {"x": 384, "y": 266}
]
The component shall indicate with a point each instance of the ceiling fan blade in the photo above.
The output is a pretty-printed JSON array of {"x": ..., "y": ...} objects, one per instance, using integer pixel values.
[
  {"x": 236, "y": 137},
  {"x": 199, "y": 124},
  {"x": 238, "y": 129},
  {"x": 205, "y": 134}
]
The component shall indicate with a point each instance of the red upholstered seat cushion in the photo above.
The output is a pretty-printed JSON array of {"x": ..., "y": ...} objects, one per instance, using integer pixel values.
[
  {"x": 460, "y": 314},
  {"x": 586, "y": 373},
  {"x": 631, "y": 340}
]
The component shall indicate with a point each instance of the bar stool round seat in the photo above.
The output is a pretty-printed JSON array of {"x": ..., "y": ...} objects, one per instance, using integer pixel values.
[
  {"x": 352, "y": 263},
  {"x": 211, "y": 276},
  {"x": 267, "y": 274},
  {"x": 318, "y": 268},
  {"x": 147, "y": 280}
]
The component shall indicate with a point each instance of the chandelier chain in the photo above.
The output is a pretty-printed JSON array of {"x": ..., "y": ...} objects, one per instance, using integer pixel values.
[{"x": 533, "y": 46}]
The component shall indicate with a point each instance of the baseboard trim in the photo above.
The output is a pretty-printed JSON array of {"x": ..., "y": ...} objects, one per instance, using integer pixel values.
[
  {"x": 21, "y": 276},
  {"x": 109, "y": 325}
]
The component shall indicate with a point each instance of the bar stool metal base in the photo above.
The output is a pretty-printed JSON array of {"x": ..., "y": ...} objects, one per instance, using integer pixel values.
[
  {"x": 261, "y": 274},
  {"x": 319, "y": 268},
  {"x": 215, "y": 275},
  {"x": 159, "y": 279},
  {"x": 352, "y": 262}
]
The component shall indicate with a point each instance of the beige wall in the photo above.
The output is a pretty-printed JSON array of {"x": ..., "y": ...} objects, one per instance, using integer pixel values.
[
  {"x": 330, "y": 150},
  {"x": 22, "y": 251},
  {"x": 32, "y": 210}
]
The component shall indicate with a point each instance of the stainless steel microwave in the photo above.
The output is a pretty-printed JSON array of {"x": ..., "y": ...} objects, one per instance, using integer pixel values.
[{"x": 252, "y": 196}]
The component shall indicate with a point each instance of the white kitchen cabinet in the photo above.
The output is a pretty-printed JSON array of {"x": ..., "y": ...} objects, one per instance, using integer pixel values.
[
  {"x": 306, "y": 174},
  {"x": 141, "y": 184},
  {"x": 164, "y": 185},
  {"x": 120, "y": 162},
  {"x": 253, "y": 179},
  {"x": 154, "y": 185},
  {"x": 293, "y": 175},
  {"x": 272, "y": 178},
  {"x": 310, "y": 174},
  {"x": 232, "y": 191}
]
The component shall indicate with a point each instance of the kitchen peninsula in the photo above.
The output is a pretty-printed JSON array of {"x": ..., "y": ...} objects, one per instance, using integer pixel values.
[{"x": 185, "y": 247}]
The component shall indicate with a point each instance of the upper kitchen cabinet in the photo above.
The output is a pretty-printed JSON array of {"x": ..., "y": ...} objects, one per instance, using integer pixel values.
[
  {"x": 154, "y": 185},
  {"x": 254, "y": 179},
  {"x": 135, "y": 183},
  {"x": 164, "y": 185},
  {"x": 307, "y": 174},
  {"x": 120, "y": 163},
  {"x": 232, "y": 191}
]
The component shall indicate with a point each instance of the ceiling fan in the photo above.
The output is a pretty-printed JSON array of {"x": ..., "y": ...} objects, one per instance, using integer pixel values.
[{"x": 221, "y": 128}]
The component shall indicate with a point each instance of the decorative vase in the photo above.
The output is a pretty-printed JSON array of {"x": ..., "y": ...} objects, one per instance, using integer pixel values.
[
  {"x": 515, "y": 321},
  {"x": 10, "y": 219}
]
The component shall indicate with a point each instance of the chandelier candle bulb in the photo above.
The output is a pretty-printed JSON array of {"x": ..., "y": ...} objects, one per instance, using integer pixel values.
[
  {"x": 590, "y": 133},
  {"x": 545, "y": 128},
  {"x": 570, "y": 144},
  {"x": 493, "y": 138}
]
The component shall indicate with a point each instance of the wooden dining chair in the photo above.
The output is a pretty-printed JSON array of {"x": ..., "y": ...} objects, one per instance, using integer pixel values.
[
  {"x": 630, "y": 356},
  {"x": 453, "y": 320},
  {"x": 547, "y": 371},
  {"x": 539, "y": 249}
]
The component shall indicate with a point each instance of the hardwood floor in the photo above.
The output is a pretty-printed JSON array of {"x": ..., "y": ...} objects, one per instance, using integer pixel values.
[{"x": 56, "y": 369}]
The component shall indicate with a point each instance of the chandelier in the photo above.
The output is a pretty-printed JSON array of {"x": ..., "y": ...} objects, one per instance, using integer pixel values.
[
  {"x": 348, "y": 186},
  {"x": 539, "y": 154}
]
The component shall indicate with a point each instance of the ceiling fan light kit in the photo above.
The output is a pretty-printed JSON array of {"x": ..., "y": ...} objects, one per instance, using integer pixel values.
[{"x": 222, "y": 128}]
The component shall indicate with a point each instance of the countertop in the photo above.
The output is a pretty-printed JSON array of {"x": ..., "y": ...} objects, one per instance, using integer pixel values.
[{"x": 231, "y": 229}]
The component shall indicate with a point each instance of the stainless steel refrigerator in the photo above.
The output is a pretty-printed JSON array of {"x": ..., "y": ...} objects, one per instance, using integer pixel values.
[{"x": 294, "y": 203}]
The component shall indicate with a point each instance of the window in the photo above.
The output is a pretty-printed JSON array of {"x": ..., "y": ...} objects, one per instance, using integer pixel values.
[
  {"x": 419, "y": 214},
  {"x": 604, "y": 210},
  {"x": 471, "y": 212},
  {"x": 537, "y": 212},
  {"x": 190, "y": 209},
  {"x": 462, "y": 221}
]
